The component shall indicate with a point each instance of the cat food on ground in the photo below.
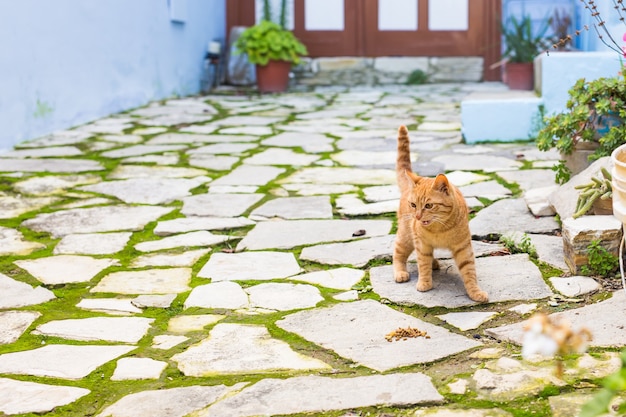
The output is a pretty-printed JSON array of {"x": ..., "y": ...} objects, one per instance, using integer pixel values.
[{"x": 404, "y": 333}]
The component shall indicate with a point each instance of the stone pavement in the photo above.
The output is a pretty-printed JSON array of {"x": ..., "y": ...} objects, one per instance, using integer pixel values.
[{"x": 229, "y": 255}]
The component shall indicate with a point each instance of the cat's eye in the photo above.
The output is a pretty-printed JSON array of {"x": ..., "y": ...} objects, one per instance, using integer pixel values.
[
  {"x": 428, "y": 206},
  {"x": 413, "y": 205}
]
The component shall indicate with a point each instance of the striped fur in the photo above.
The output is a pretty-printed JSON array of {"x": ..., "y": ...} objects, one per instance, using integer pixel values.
[{"x": 432, "y": 214}]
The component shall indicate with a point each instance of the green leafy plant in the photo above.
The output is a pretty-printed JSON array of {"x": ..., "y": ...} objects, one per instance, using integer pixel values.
[
  {"x": 267, "y": 41},
  {"x": 523, "y": 43},
  {"x": 522, "y": 245},
  {"x": 601, "y": 262},
  {"x": 591, "y": 192},
  {"x": 594, "y": 113},
  {"x": 417, "y": 77}
]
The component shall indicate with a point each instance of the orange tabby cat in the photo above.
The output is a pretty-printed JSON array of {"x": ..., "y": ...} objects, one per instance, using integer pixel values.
[{"x": 432, "y": 214}]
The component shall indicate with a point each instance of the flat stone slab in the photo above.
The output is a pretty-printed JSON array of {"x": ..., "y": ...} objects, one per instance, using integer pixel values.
[
  {"x": 338, "y": 175},
  {"x": 172, "y": 402},
  {"x": 291, "y": 233},
  {"x": 63, "y": 269},
  {"x": 22, "y": 397},
  {"x": 95, "y": 219},
  {"x": 277, "y": 156},
  {"x": 491, "y": 190},
  {"x": 14, "y": 323},
  {"x": 339, "y": 278},
  {"x": 467, "y": 320},
  {"x": 357, "y": 331},
  {"x": 250, "y": 175},
  {"x": 575, "y": 286},
  {"x": 255, "y": 351},
  {"x": 92, "y": 243},
  {"x": 186, "y": 258},
  {"x": 322, "y": 189},
  {"x": 224, "y": 294},
  {"x": 213, "y": 162},
  {"x": 311, "y": 394},
  {"x": 528, "y": 179},
  {"x": 193, "y": 223},
  {"x": 167, "y": 341},
  {"x": 509, "y": 215},
  {"x": 504, "y": 278},
  {"x": 603, "y": 319},
  {"x": 250, "y": 266},
  {"x": 247, "y": 120},
  {"x": 116, "y": 306},
  {"x": 449, "y": 412},
  {"x": 486, "y": 163},
  {"x": 53, "y": 184},
  {"x": 219, "y": 205},
  {"x": 192, "y": 323},
  {"x": 138, "y": 368},
  {"x": 290, "y": 208},
  {"x": 190, "y": 138},
  {"x": 60, "y": 361},
  {"x": 223, "y": 149},
  {"x": 147, "y": 190},
  {"x": 50, "y": 165},
  {"x": 366, "y": 158},
  {"x": 351, "y": 205},
  {"x": 190, "y": 239},
  {"x": 19, "y": 294},
  {"x": 150, "y": 281},
  {"x": 309, "y": 142},
  {"x": 142, "y": 171},
  {"x": 11, "y": 207},
  {"x": 356, "y": 253},
  {"x": 283, "y": 296},
  {"x": 12, "y": 243},
  {"x": 109, "y": 329},
  {"x": 137, "y": 150},
  {"x": 62, "y": 137}
]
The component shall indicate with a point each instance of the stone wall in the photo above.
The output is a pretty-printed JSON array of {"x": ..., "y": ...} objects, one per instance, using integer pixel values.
[{"x": 385, "y": 70}]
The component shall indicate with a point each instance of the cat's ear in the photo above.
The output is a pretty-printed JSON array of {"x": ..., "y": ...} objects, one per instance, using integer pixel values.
[
  {"x": 412, "y": 177},
  {"x": 441, "y": 184}
]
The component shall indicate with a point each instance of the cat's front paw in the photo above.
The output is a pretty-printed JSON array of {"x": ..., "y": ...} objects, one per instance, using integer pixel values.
[
  {"x": 402, "y": 276},
  {"x": 479, "y": 296},
  {"x": 424, "y": 286}
]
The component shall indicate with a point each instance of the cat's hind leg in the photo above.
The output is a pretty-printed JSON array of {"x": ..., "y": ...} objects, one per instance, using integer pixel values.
[
  {"x": 466, "y": 264},
  {"x": 402, "y": 249}
]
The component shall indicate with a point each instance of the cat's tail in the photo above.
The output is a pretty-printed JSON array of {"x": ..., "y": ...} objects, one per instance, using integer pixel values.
[{"x": 403, "y": 161}]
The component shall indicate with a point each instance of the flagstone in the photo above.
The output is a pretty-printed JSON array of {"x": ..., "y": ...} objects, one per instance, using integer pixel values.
[
  {"x": 167, "y": 341},
  {"x": 153, "y": 159},
  {"x": 247, "y": 121},
  {"x": 351, "y": 205},
  {"x": 224, "y": 294},
  {"x": 191, "y": 323},
  {"x": 130, "y": 139},
  {"x": 351, "y": 295},
  {"x": 277, "y": 156},
  {"x": 42, "y": 152},
  {"x": 527, "y": 179},
  {"x": 366, "y": 158},
  {"x": 14, "y": 323},
  {"x": 219, "y": 205},
  {"x": 175, "y": 119},
  {"x": 115, "y": 306},
  {"x": 213, "y": 162},
  {"x": 575, "y": 286},
  {"x": 465, "y": 412},
  {"x": 357, "y": 253},
  {"x": 12, "y": 243},
  {"x": 286, "y": 234},
  {"x": 461, "y": 178},
  {"x": 23, "y": 397},
  {"x": 59, "y": 138},
  {"x": 491, "y": 190},
  {"x": 338, "y": 279},
  {"x": 248, "y": 130},
  {"x": 504, "y": 278},
  {"x": 189, "y": 239},
  {"x": 61, "y": 361},
  {"x": 255, "y": 351},
  {"x": 339, "y": 175},
  {"x": 143, "y": 171},
  {"x": 11, "y": 207},
  {"x": 64, "y": 269},
  {"x": 147, "y": 131},
  {"x": 171, "y": 402},
  {"x": 53, "y": 184},
  {"x": 138, "y": 150},
  {"x": 467, "y": 320},
  {"x": 200, "y": 129},
  {"x": 138, "y": 368},
  {"x": 249, "y": 266},
  {"x": 154, "y": 300},
  {"x": 357, "y": 331},
  {"x": 603, "y": 319},
  {"x": 186, "y": 258},
  {"x": 151, "y": 281},
  {"x": 309, "y": 142},
  {"x": 249, "y": 175},
  {"x": 283, "y": 296},
  {"x": 233, "y": 189},
  {"x": 218, "y": 137},
  {"x": 95, "y": 219},
  {"x": 486, "y": 163},
  {"x": 549, "y": 248},
  {"x": 193, "y": 223},
  {"x": 92, "y": 243},
  {"x": 380, "y": 193},
  {"x": 183, "y": 138},
  {"x": 147, "y": 190},
  {"x": 313, "y": 394},
  {"x": 315, "y": 207},
  {"x": 110, "y": 329},
  {"x": 322, "y": 189},
  {"x": 523, "y": 309},
  {"x": 19, "y": 294}
]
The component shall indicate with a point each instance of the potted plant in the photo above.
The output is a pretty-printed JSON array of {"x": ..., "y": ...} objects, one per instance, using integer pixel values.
[
  {"x": 523, "y": 44},
  {"x": 273, "y": 49},
  {"x": 590, "y": 127}
]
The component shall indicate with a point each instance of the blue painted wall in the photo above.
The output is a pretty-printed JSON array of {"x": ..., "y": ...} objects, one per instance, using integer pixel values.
[{"x": 67, "y": 62}]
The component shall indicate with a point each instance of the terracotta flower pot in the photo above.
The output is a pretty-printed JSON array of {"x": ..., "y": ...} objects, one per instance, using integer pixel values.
[
  {"x": 520, "y": 75},
  {"x": 273, "y": 77}
]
